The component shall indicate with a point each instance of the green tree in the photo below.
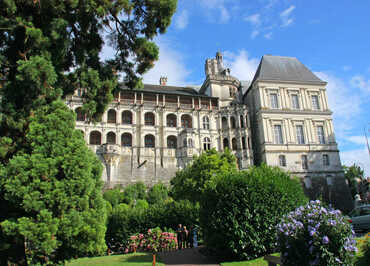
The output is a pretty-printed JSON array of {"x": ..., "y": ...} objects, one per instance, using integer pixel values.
[
  {"x": 355, "y": 178},
  {"x": 157, "y": 193},
  {"x": 190, "y": 182},
  {"x": 113, "y": 196},
  {"x": 56, "y": 187},
  {"x": 48, "y": 48},
  {"x": 134, "y": 192}
]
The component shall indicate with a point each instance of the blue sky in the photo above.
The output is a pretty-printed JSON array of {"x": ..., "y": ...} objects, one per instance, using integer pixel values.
[{"x": 332, "y": 38}]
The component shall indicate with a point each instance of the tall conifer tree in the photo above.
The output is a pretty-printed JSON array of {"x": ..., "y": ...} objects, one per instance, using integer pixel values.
[{"x": 51, "y": 208}]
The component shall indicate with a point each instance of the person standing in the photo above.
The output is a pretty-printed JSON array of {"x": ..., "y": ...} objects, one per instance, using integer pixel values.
[
  {"x": 179, "y": 232},
  {"x": 190, "y": 237},
  {"x": 185, "y": 234}
]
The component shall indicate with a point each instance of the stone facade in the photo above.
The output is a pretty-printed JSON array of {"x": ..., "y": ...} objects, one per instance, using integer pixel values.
[
  {"x": 281, "y": 118},
  {"x": 147, "y": 135}
]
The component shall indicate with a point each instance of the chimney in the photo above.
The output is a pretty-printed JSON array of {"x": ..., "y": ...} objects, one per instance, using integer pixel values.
[{"x": 163, "y": 81}]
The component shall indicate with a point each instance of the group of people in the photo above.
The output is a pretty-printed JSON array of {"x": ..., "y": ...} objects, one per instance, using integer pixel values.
[{"x": 185, "y": 237}]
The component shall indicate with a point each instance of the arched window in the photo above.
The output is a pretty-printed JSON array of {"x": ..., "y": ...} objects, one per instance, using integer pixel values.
[
  {"x": 190, "y": 143},
  {"x": 244, "y": 143},
  {"x": 112, "y": 116},
  {"x": 171, "y": 142},
  {"x": 282, "y": 160},
  {"x": 80, "y": 114},
  {"x": 149, "y": 119},
  {"x": 224, "y": 123},
  {"x": 126, "y": 140},
  {"x": 111, "y": 138},
  {"x": 95, "y": 138},
  {"x": 126, "y": 117},
  {"x": 233, "y": 123},
  {"x": 234, "y": 144},
  {"x": 241, "y": 121},
  {"x": 226, "y": 143},
  {"x": 149, "y": 141},
  {"x": 186, "y": 121},
  {"x": 205, "y": 122},
  {"x": 171, "y": 120},
  {"x": 206, "y": 144}
]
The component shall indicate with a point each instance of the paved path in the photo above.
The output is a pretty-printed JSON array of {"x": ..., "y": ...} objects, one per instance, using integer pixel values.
[{"x": 188, "y": 257}]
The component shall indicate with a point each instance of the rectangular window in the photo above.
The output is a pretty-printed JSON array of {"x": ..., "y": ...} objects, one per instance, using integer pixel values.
[
  {"x": 278, "y": 134},
  {"x": 325, "y": 160},
  {"x": 315, "y": 102},
  {"x": 320, "y": 134},
  {"x": 295, "y": 101},
  {"x": 300, "y": 135},
  {"x": 282, "y": 160},
  {"x": 274, "y": 101},
  {"x": 304, "y": 162}
]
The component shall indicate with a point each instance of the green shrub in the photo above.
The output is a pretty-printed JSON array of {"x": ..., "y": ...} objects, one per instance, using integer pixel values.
[
  {"x": 157, "y": 194},
  {"x": 239, "y": 211},
  {"x": 134, "y": 192},
  {"x": 113, "y": 196},
  {"x": 141, "y": 205},
  {"x": 314, "y": 235},
  {"x": 363, "y": 256},
  {"x": 127, "y": 220}
]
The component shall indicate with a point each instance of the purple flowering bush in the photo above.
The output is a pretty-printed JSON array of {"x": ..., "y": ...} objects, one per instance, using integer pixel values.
[{"x": 315, "y": 235}]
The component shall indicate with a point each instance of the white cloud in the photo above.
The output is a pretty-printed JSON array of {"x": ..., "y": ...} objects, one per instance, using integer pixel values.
[
  {"x": 254, "y": 34},
  {"x": 182, "y": 20},
  {"x": 170, "y": 64},
  {"x": 360, "y": 140},
  {"x": 223, "y": 15},
  {"x": 241, "y": 65},
  {"x": 268, "y": 36},
  {"x": 357, "y": 156},
  {"x": 346, "y": 107},
  {"x": 285, "y": 16},
  {"x": 360, "y": 82},
  {"x": 341, "y": 99},
  {"x": 254, "y": 19}
]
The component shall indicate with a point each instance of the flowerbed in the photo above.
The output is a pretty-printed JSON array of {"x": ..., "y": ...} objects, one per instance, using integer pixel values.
[
  {"x": 314, "y": 235},
  {"x": 154, "y": 241}
]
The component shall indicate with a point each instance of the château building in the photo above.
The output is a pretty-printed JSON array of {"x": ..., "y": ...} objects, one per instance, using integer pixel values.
[{"x": 281, "y": 118}]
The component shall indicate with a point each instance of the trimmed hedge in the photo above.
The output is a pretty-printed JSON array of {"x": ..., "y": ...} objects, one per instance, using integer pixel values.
[
  {"x": 239, "y": 211},
  {"x": 125, "y": 221}
]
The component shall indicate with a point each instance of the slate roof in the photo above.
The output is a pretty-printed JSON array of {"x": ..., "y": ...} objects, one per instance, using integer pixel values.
[
  {"x": 188, "y": 91},
  {"x": 282, "y": 68}
]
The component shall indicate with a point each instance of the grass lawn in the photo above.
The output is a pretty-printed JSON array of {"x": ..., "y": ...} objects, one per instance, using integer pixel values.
[
  {"x": 255, "y": 262},
  {"x": 132, "y": 259}
]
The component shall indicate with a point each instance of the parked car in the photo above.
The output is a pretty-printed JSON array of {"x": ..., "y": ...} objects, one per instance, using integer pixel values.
[{"x": 360, "y": 218}]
